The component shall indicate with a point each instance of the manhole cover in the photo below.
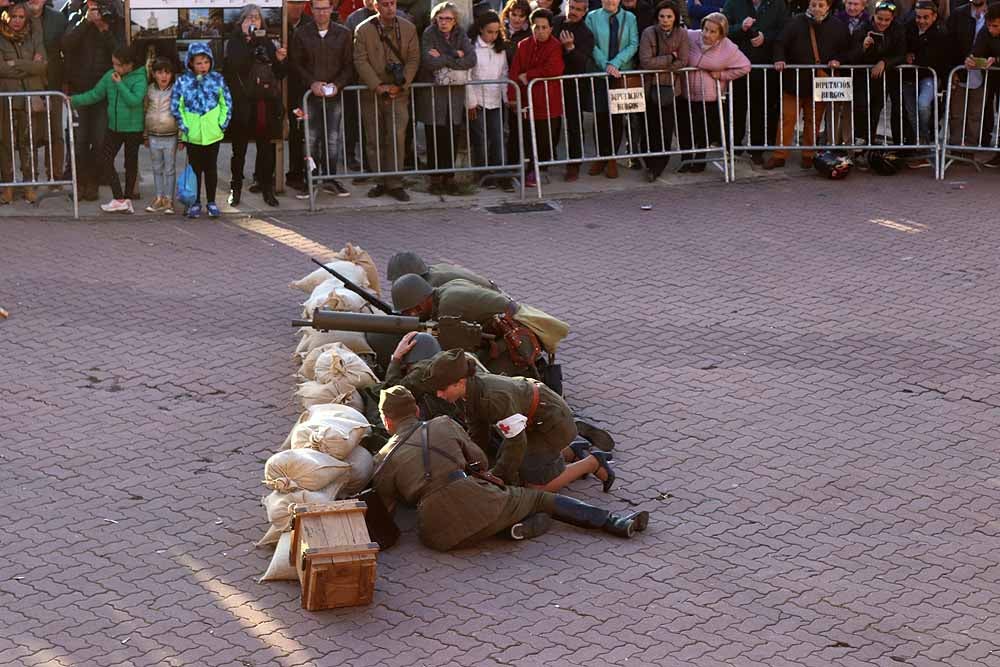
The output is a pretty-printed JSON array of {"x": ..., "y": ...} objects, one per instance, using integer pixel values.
[{"x": 539, "y": 207}]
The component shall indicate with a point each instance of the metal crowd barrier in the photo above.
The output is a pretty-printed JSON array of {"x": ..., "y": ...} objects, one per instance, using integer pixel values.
[
  {"x": 892, "y": 89},
  {"x": 965, "y": 105},
  {"x": 404, "y": 160},
  {"x": 27, "y": 125},
  {"x": 636, "y": 124}
]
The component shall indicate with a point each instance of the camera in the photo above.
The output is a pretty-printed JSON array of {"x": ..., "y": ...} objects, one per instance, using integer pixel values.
[
  {"x": 260, "y": 54},
  {"x": 396, "y": 71}
]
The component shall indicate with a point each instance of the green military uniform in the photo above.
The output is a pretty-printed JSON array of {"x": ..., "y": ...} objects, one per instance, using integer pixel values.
[
  {"x": 439, "y": 274},
  {"x": 453, "y": 509},
  {"x": 415, "y": 380}
]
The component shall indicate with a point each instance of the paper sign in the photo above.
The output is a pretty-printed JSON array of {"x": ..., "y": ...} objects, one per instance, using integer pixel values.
[
  {"x": 833, "y": 89},
  {"x": 627, "y": 100}
]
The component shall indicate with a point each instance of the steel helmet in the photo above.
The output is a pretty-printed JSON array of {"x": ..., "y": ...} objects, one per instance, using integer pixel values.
[
  {"x": 405, "y": 262},
  {"x": 832, "y": 165},
  {"x": 409, "y": 291},
  {"x": 425, "y": 347}
]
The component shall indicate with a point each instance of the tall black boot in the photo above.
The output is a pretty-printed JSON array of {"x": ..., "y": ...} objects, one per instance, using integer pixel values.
[
  {"x": 578, "y": 513},
  {"x": 235, "y": 193}
]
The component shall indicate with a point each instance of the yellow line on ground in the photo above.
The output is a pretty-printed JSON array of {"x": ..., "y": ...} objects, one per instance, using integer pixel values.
[{"x": 286, "y": 237}]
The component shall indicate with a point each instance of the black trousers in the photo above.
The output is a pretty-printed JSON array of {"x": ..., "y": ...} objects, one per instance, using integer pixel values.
[
  {"x": 113, "y": 141},
  {"x": 204, "y": 160},
  {"x": 547, "y": 134},
  {"x": 692, "y": 120},
  {"x": 574, "y": 119},
  {"x": 354, "y": 131},
  {"x": 660, "y": 121},
  {"x": 870, "y": 98},
  {"x": 89, "y": 139},
  {"x": 263, "y": 171},
  {"x": 759, "y": 92},
  {"x": 609, "y": 133},
  {"x": 296, "y": 144},
  {"x": 442, "y": 143}
]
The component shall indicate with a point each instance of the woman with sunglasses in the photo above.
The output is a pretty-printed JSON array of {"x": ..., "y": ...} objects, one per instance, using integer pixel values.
[{"x": 880, "y": 43}]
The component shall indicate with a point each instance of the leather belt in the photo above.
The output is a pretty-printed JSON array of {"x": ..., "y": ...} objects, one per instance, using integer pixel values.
[
  {"x": 535, "y": 398},
  {"x": 453, "y": 476}
]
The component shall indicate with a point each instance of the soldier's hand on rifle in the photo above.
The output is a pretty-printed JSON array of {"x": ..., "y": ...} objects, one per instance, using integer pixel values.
[{"x": 408, "y": 342}]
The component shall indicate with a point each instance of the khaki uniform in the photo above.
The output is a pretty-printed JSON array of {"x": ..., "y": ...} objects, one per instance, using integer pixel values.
[
  {"x": 534, "y": 456},
  {"x": 453, "y": 510},
  {"x": 416, "y": 381},
  {"x": 439, "y": 274}
]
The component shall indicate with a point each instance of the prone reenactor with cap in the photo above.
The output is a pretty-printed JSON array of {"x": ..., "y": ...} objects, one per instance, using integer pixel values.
[
  {"x": 538, "y": 429},
  {"x": 434, "y": 465},
  {"x": 521, "y": 332},
  {"x": 436, "y": 274}
]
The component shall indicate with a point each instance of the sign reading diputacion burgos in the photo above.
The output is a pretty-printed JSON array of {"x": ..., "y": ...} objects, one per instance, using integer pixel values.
[
  {"x": 833, "y": 89},
  {"x": 627, "y": 100}
]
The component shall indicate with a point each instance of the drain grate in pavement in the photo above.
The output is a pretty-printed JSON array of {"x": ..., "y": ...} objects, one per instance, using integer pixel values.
[{"x": 540, "y": 207}]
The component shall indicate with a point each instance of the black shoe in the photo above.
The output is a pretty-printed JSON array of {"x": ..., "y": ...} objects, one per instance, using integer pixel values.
[
  {"x": 530, "y": 526},
  {"x": 993, "y": 163},
  {"x": 255, "y": 188},
  {"x": 598, "y": 436},
  {"x": 650, "y": 176},
  {"x": 636, "y": 165},
  {"x": 298, "y": 184},
  {"x": 685, "y": 168},
  {"x": 399, "y": 194},
  {"x": 269, "y": 198},
  {"x": 235, "y": 194},
  {"x": 353, "y": 164},
  {"x": 580, "y": 449},
  {"x": 335, "y": 188},
  {"x": 604, "y": 461},
  {"x": 377, "y": 191},
  {"x": 698, "y": 168},
  {"x": 627, "y": 525}
]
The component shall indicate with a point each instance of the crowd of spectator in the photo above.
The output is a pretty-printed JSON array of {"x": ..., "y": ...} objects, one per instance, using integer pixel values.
[{"x": 124, "y": 99}]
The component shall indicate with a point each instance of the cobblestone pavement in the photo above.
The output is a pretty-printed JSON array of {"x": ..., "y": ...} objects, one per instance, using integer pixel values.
[{"x": 802, "y": 384}]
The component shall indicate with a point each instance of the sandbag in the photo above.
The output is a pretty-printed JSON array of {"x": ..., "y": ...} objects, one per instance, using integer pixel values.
[
  {"x": 281, "y": 568},
  {"x": 312, "y": 394},
  {"x": 337, "y": 365},
  {"x": 276, "y": 505},
  {"x": 331, "y": 295},
  {"x": 332, "y": 429},
  {"x": 304, "y": 470},
  {"x": 356, "y": 255},
  {"x": 362, "y": 467},
  {"x": 311, "y": 339},
  {"x": 353, "y": 272}
]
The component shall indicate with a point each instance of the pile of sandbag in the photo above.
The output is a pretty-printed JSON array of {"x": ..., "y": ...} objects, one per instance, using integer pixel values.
[{"x": 321, "y": 460}]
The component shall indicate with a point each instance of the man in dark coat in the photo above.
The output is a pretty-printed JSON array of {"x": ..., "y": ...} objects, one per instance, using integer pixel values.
[
  {"x": 927, "y": 46},
  {"x": 577, "y": 44},
  {"x": 296, "y": 176}
]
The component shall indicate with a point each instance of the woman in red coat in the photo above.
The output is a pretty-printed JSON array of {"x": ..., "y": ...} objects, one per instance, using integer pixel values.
[{"x": 539, "y": 58}]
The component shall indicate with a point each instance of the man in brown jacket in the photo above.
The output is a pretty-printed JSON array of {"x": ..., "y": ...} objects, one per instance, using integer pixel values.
[
  {"x": 431, "y": 465},
  {"x": 322, "y": 59},
  {"x": 386, "y": 57}
]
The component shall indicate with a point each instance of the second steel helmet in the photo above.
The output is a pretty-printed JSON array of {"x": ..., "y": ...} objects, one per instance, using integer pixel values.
[
  {"x": 425, "y": 347},
  {"x": 409, "y": 291},
  {"x": 405, "y": 262}
]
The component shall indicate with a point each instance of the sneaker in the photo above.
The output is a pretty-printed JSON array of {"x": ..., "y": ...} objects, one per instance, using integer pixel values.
[
  {"x": 399, "y": 194},
  {"x": 116, "y": 206},
  {"x": 377, "y": 192},
  {"x": 156, "y": 206},
  {"x": 128, "y": 207},
  {"x": 993, "y": 163},
  {"x": 335, "y": 188},
  {"x": 194, "y": 211},
  {"x": 530, "y": 181},
  {"x": 168, "y": 207},
  {"x": 213, "y": 210}
]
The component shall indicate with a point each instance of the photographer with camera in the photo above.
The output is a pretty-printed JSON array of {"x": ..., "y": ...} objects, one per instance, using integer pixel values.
[
  {"x": 322, "y": 56},
  {"x": 87, "y": 48},
  {"x": 386, "y": 57},
  {"x": 253, "y": 69}
]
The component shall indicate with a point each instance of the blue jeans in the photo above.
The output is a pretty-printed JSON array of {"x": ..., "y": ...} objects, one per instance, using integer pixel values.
[
  {"x": 326, "y": 154},
  {"x": 918, "y": 100},
  {"x": 487, "y": 137},
  {"x": 163, "y": 154}
]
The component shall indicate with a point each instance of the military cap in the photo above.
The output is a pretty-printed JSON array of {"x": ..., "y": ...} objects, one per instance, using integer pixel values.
[
  {"x": 409, "y": 291},
  {"x": 448, "y": 368},
  {"x": 405, "y": 262},
  {"x": 396, "y": 402},
  {"x": 426, "y": 346}
]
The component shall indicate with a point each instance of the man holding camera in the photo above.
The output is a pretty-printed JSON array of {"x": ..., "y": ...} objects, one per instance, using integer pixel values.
[
  {"x": 321, "y": 56},
  {"x": 87, "y": 48},
  {"x": 386, "y": 57}
]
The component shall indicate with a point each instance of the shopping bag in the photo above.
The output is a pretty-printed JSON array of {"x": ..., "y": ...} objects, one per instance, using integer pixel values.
[{"x": 187, "y": 186}]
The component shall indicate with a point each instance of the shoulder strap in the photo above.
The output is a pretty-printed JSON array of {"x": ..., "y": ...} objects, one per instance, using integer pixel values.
[
  {"x": 426, "y": 452},
  {"x": 396, "y": 447},
  {"x": 392, "y": 47},
  {"x": 815, "y": 46}
]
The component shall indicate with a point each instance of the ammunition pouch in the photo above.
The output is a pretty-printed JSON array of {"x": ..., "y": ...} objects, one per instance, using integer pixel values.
[
  {"x": 455, "y": 333},
  {"x": 523, "y": 346}
]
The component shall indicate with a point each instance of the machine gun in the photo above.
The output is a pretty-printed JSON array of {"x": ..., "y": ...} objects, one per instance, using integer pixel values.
[
  {"x": 363, "y": 293},
  {"x": 451, "y": 332}
]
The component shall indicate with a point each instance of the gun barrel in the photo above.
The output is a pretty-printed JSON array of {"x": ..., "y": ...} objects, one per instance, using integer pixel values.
[
  {"x": 332, "y": 320},
  {"x": 378, "y": 303}
]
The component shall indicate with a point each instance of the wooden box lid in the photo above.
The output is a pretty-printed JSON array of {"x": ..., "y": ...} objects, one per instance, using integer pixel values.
[{"x": 334, "y": 530}]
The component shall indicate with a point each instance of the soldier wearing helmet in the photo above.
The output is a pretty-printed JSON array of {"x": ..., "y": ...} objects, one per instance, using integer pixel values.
[{"x": 436, "y": 274}]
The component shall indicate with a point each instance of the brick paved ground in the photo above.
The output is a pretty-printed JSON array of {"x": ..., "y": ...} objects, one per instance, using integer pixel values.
[{"x": 807, "y": 403}]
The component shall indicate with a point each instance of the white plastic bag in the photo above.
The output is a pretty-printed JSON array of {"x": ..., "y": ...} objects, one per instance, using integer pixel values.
[
  {"x": 304, "y": 469},
  {"x": 332, "y": 429},
  {"x": 332, "y": 295},
  {"x": 362, "y": 467},
  {"x": 353, "y": 272}
]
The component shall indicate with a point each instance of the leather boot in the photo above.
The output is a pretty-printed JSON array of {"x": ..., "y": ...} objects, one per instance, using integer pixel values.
[
  {"x": 612, "y": 169},
  {"x": 269, "y": 198},
  {"x": 235, "y": 193},
  {"x": 6, "y": 195},
  {"x": 580, "y": 514},
  {"x": 530, "y": 526}
]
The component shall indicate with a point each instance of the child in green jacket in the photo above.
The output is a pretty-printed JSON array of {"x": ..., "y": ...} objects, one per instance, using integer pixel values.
[{"x": 124, "y": 86}]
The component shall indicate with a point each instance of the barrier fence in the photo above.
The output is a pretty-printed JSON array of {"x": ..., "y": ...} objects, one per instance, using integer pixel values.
[
  {"x": 970, "y": 110},
  {"x": 30, "y": 121},
  {"x": 643, "y": 107},
  {"x": 491, "y": 143},
  {"x": 797, "y": 109}
]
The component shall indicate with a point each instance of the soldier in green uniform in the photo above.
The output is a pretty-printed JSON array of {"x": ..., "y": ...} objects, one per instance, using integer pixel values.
[
  {"x": 431, "y": 465},
  {"x": 436, "y": 274},
  {"x": 539, "y": 433},
  {"x": 521, "y": 332}
]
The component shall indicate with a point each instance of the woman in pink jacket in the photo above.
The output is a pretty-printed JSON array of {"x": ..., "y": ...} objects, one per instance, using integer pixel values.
[{"x": 718, "y": 59}]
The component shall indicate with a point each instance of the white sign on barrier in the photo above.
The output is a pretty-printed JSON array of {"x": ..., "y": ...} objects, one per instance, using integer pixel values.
[
  {"x": 833, "y": 89},
  {"x": 626, "y": 100}
]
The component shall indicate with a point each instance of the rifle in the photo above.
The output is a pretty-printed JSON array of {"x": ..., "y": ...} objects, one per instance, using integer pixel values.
[
  {"x": 364, "y": 294},
  {"x": 451, "y": 332}
]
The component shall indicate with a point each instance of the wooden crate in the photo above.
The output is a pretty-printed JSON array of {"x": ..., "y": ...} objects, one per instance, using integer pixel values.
[{"x": 333, "y": 554}]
